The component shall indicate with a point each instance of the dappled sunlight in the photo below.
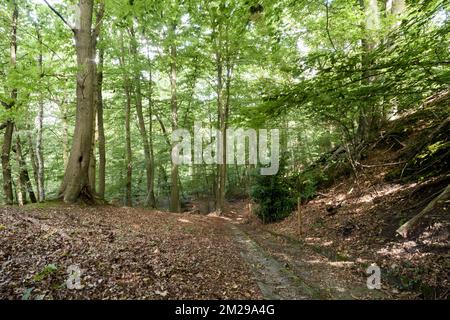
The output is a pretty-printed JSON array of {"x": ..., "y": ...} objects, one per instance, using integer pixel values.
[{"x": 184, "y": 220}]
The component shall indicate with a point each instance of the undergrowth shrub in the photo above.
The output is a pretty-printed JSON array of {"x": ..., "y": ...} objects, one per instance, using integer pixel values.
[{"x": 274, "y": 194}]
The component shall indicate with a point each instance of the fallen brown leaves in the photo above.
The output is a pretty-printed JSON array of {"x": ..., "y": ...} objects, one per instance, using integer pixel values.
[{"x": 123, "y": 253}]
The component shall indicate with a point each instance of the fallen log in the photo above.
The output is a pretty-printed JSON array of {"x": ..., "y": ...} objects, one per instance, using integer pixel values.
[{"x": 411, "y": 224}]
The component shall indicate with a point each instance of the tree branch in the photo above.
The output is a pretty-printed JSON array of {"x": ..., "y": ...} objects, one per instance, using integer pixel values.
[
  {"x": 412, "y": 224},
  {"x": 99, "y": 20},
  {"x": 59, "y": 15},
  {"x": 328, "y": 26}
]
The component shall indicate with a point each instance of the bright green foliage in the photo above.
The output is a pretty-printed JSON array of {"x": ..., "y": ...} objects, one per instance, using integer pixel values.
[{"x": 295, "y": 65}]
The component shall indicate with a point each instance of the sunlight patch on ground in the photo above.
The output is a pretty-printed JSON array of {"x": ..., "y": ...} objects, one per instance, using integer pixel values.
[
  {"x": 184, "y": 220},
  {"x": 380, "y": 193},
  {"x": 341, "y": 263},
  {"x": 314, "y": 261}
]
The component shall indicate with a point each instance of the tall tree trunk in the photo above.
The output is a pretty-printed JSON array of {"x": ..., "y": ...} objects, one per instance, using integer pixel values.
[
  {"x": 7, "y": 138},
  {"x": 93, "y": 160},
  {"x": 129, "y": 163},
  {"x": 150, "y": 197},
  {"x": 6, "y": 166},
  {"x": 151, "y": 194},
  {"x": 394, "y": 11},
  {"x": 76, "y": 178},
  {"x": 128, "y": 158},
  {"x": 24, "y": 177},
  {"x": 175, "y": 205},
  {"x": 367, "y": 112},
  {"x": 39, "y": 172},
  {"x": 223, "y": 60},
  {"x": 221, "y": 166},
  {"x": 100, "y": 128}
]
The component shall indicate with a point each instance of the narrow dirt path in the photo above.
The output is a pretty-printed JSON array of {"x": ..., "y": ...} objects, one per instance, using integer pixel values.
[
  {"x": 274, "y": 280},
  {"x": 289, "y": 269}
]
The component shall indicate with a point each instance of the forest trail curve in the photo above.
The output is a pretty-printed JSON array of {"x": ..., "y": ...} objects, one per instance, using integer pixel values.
[{"x": 289, "y": 269}]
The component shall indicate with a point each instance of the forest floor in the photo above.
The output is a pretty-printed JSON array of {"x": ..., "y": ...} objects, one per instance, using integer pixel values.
[
  {"x": 124, "y": 253},
  {"x": 130, "y": 253}
]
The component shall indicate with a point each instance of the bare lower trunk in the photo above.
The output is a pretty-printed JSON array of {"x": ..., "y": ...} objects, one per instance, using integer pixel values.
[
  {"x": 368, "y": 114},
  {"x": 7, "y": 138},
  {"x": 128, "y": 156},
  {"x": 20, "y": 193},
  {"x": 6, "y": 165},
  {"x": 76, "y": 178},
  {"x": 223, "y": 60},
  {"x": 129, "y": 164},
  {"x": 33, "y": 159},
  {"x": 151, "y": 194},
  {"x": 221, "y": 167},
  {"x": 175, "y": 205},
  {"x": 92, "y": 160},
  {"x": 100, "y": 129},
  {"x": 39, "y": 152},
  {"x": 24, "y": 177},
  {"x": 150, "y": 198}
]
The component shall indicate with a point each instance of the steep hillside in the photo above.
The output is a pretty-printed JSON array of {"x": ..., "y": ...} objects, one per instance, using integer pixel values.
[{"x": 356, "y": 218}]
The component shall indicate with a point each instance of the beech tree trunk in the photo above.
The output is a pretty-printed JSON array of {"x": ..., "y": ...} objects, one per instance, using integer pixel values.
[
  {"x": 221, "y": 166},
  {"x": 92, "y": 160},
  {"x": 129, "y": 163},
  {"x": 40, "y": 155},
  {"x": 150, "y": 197},
  {"x": 76, "y": 178},
  {"x": 100, "y": 128},
  {"x": 367, "y": 114},
  {"x": 223, "y": 61},
  {"x": 175, "y": 205},
  {"x": 40, "y": 118},
  {"x": 151, "y": 194},
  {"x": 33, "y": 158},
  {"x": 128, "y": 157},
  {"x": 6, "y": 166},
  {"x": 7, "y": 138},
  {"x": 24, "y": 177}
]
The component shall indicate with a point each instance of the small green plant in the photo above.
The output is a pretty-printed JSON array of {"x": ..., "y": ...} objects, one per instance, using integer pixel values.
[{"x": 46, "y": 271}]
